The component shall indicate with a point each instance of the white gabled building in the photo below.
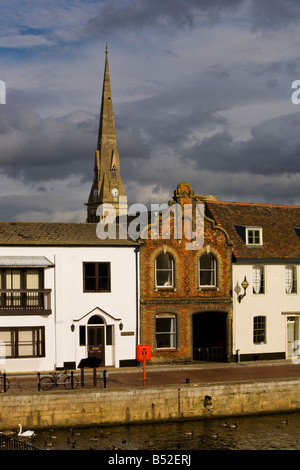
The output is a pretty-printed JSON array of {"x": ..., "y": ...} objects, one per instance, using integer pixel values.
[
  {"x": 68, "y": 298},
  {"x": 266, "y": 253}
]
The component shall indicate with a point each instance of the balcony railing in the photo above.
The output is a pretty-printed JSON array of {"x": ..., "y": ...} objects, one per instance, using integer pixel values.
[{"x": 25, "y": 301}]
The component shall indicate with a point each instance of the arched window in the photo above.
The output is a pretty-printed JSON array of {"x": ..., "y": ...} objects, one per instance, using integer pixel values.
[
  {"x": 207, "y": 270},
  {"x": 290, "y": 280},
  {"x": 96, "y": 320},
  {"x": 113, "y": 171},
  {"x": 258, "y": 280},
  {"x": 164, "y": 270}
]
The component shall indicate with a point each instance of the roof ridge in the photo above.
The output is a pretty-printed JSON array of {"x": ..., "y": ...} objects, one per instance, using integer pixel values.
[
  {"x": 12, "y": 222},
  {"x": 261, "y": 204}
]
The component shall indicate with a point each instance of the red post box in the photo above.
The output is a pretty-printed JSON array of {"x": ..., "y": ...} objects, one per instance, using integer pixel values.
[{"x": 143, "y": 352}]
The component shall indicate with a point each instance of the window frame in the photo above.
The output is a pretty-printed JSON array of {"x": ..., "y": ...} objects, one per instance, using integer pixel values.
[
  {"x": 165, "y": 270},
  {"x": 22, "y": 291},
  {"x": 37, "y": 344},
  {"x": 213, "y": 270},
  {"x": 294, "y": 280},
  {"x": 262, "y": 288},
  {"x": 253, "y": 235},
  {"x": 172, "y": 332},
  {"x": 259, "y": 329},
  {"x": 96, "y": 277}
]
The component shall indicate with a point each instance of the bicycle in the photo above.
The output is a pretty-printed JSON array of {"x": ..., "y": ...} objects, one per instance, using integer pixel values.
[
  {"x": 69, "y": 381},
  {"x": 4, "y": 383}
]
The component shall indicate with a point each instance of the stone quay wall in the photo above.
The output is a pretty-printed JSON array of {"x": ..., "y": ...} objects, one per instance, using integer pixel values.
[{"x": 148, "y": 404}]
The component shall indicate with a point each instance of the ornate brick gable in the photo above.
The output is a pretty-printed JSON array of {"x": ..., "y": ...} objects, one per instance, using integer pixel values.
[{"x": 184, "y": 298}]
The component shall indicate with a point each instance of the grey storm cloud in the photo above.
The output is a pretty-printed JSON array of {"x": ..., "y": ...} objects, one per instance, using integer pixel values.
[
  {"x": 168, "y": 15},
  {"x": 37, "y": 149},
  {"x": 271, "y": 14},
  {"x": 179, "y": 85}
]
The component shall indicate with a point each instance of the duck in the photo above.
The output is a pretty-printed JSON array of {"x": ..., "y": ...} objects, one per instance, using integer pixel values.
[
  {"x": 48, "y": 444},
  {"x": 8, "y": 432},
  {"x": 25, "y": 433},
  {"x": 233, "y": 426}
]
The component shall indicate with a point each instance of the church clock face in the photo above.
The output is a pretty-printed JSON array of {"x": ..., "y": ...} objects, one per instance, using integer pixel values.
[
  {"x": 95, "y": 193},
  {"x": 115, "y": 192}
]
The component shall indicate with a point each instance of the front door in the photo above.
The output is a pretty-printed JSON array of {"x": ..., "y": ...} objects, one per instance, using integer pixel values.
[
  {"x": 292, "y": 336},
  {"x": 96, "y": 343}
]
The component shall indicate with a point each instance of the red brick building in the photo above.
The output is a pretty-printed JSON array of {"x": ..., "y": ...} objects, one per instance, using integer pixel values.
[{"x": 186, "y": 294}]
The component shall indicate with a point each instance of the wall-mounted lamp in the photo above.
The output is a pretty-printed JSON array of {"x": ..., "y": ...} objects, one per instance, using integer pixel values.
[
  {"x": 72, "y": 327},
  {"x": 121, "y": 326},
  {"x": 245, "y": 284}
]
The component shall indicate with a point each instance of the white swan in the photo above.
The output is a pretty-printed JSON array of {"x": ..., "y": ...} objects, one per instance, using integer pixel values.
[{"x": 25, "y": 433}]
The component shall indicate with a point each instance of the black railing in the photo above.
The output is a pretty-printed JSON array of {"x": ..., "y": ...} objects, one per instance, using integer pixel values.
[
  {"x": 25, "y": 299},
  {"x": 69, "y": 381},
  {"x": 209, "y": 354},
  {"x": 4, "y": 383},
  {"x": 10, "y": 443}
]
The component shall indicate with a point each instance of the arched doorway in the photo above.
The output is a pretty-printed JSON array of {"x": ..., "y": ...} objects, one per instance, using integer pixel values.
[
  {"x": 96, "y": 341},
  {"x": 209, "y": 336}
]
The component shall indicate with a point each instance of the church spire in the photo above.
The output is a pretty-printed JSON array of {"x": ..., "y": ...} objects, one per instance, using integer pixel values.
[{"x": 107, "y": 185}]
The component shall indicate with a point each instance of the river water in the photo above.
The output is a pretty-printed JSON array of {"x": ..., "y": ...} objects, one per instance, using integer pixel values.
[{"x": 265, "y": 432}]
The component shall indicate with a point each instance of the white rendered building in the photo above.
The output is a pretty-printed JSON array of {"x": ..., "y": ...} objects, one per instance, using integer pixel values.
[
  {"x": 266, "y": 254},
  {"x": 66, "y": 296}
]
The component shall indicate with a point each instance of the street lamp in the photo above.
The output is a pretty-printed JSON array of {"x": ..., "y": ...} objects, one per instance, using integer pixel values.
[{"x": 245, "y": 284}]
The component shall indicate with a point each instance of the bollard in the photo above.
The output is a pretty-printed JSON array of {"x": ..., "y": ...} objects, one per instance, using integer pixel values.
[
  {"x": 82, "y": 377},
  {"x": 94, "y": 377},
  {"x": 4, "y": 382},
  {"x": 72, "y": 380},
  {"x": 39, "y": 381},
  {"x": 104, "y": 379}
]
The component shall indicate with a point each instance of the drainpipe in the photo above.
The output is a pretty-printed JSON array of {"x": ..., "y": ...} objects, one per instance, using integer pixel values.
[{"x": 137, "y": 277}]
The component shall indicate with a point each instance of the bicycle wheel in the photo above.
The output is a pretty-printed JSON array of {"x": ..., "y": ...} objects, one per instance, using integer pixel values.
[
  {"x": 46, "y": 383},
  {"x": 68, "y": 383},
  {"x": 7, "y": 384}
]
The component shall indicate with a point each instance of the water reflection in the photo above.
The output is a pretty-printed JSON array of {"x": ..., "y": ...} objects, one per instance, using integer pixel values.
[{"x": 279, "y": 431}]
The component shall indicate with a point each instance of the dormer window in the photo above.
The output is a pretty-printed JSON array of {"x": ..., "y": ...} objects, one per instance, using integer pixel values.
[{"x": 253, "y": 236}]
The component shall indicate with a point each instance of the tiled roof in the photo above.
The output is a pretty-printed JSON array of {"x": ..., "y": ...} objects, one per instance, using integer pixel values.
[
  {"x": 278, "y": 222},
  {"x": 54, "y": 234}
]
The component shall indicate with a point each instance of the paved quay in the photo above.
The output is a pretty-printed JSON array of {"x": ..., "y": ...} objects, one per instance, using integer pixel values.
[
  {"x": 202, "y": 373},
  {"x": 160, "y": 375},
  {"x": 170, "y": 392}
]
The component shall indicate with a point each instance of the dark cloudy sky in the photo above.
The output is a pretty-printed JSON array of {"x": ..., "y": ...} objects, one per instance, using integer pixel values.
[{"x": 201, "y": 92}]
